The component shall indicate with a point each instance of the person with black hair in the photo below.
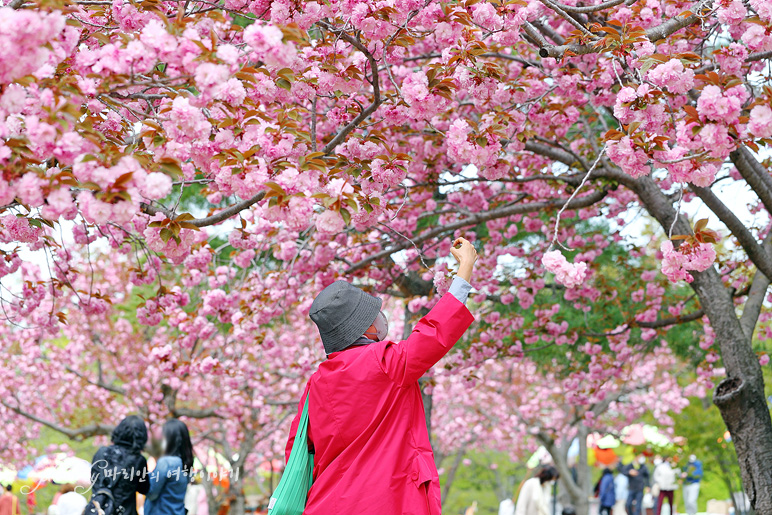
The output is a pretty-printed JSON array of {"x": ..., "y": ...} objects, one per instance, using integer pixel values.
[
  {"x": 169, "y": 480},
  {"x": 9, "y": 504},
  {"x": 534, "y": 494},
  {"x": 119, "y": 470}
]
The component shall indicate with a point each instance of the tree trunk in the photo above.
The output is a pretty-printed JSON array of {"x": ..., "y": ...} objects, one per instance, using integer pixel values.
[
  {"x": 580, "y": 497},
  {"x": 428, "y": 404},
  {"x": 238, "y": 501},
  {"x": 740, "y": 397},
  {"x": 238, "y": 505},
  {"x": 583, "y": 474},
  {"x": 559, "y": 454},
  {"x": 452, "y": 473},
  {"x": 582, "y": 506}
]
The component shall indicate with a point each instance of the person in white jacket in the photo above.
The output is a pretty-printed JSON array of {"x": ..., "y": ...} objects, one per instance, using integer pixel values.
[
  {"x": 665, "y": 479},
  {"x": 507, "y": 507},
  {"x": 534, "y": 494}
]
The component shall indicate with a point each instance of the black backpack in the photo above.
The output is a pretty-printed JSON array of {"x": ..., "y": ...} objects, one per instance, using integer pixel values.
[
  {"x": 107, "y": 485},
  {"x": 102, "y": 503}
]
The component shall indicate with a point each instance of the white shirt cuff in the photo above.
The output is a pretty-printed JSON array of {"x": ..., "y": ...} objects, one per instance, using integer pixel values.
[{"x": 460, "y": 289}]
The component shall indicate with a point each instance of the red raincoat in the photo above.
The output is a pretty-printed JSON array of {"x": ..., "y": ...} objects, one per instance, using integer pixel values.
[{"x": 367, "y": 425}]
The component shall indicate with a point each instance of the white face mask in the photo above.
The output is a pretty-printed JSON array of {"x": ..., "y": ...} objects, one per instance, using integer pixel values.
[
  {"x": 642, "y": 461},
  {"x": 381, "y": 325}
]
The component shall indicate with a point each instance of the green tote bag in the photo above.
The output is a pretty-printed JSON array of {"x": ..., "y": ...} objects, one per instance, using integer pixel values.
[{"x": 291, "y": 495}]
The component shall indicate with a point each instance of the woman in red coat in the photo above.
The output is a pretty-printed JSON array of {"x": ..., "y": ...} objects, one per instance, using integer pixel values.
[{"x": 366, "y": 416}]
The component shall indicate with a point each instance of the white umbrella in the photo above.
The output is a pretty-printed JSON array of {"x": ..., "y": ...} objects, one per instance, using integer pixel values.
[
  {"x": 7, "y": 475},
  {"x": 73, "y": 470}
]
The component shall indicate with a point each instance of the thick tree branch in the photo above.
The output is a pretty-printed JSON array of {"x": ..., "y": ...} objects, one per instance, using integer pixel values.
[
  {"x": 353, "y": 124},
  {"x": 559, "y": 459},
  {"x": 195, "y": 413},
  {"x": 497, "y": 55},
  {"x": 170, "y": 400},
  {"x": 570, "y": 19},
  {"x": 748, "y": 242},
  {"x": 654, "y": 34},
  {"x": 753, "y": 173},
  {"x": 99, "y": 383},
  {"x": 508, "y": 57},
  {"x": 553, "y": 153},
  {"x": 756, "y": 294},
  {"x": 228, "y": 212},
  {"x": 664, "y": 322},
  {"x": 74, "y": 434},
  {"x": 546, "y": 29},
  {"x": 591, "y": 8},
  {"x": 209, "y": 220},
  {"x": 479, "y": 218}
]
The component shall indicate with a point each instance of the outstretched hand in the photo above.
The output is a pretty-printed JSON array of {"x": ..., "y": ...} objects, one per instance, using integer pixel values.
[{"x": 466, "y": 255}]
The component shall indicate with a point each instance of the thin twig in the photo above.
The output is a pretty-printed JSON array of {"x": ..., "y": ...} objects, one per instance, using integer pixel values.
[
  {"x": 678, "y": 212},
  {"x": 573, "y": 195}
]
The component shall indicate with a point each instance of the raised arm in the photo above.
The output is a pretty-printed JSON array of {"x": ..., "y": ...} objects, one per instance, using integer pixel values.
[{"x": 436, "y": 333}]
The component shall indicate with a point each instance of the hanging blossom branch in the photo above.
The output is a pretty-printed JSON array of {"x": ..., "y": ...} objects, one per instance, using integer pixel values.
[{"x": 568, "y": 274}]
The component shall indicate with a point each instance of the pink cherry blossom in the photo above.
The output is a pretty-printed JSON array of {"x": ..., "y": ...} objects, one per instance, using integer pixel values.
[
  {"x": 157, "y": 185},
  {"x": 186, "y": 123},
  {"x": 760, "y": 123},
  {"x": 672, "y": 75},
  {"x": 330, "y": 222},
  {"x": 676, "y": 264},
  {"x": 568, "y": 274},
  {"x": 718, "y": 105},
  {"x": 27, "y": 32},
  {"x": 632, "y": 161}
]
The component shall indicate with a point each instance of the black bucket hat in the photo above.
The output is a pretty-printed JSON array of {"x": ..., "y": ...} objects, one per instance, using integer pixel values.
[{"x": 342, "y": 313}]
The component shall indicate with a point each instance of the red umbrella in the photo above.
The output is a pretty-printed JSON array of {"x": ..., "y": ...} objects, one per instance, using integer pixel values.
[{"x": 605, "y": 456}]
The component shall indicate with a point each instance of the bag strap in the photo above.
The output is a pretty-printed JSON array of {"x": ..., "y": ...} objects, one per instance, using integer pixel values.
[
  {"x": 106, "y": 492},
  {"x": 301, "y": 436}
]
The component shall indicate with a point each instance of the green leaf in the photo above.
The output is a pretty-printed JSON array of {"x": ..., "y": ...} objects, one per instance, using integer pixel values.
[
  {"x": 188, "y": 225},
  {"x": 171, "y": 168},
  {"x": 346, "y": 215},
  {"x": 700, "y": 225},
  {"x": 242, "y": 21},
  {"x": 284, "y": 84},
  {"x": 166, "y": 234}
]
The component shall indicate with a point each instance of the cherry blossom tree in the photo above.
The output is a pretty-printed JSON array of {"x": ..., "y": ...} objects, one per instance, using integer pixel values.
[
  {"x": 514, "y": 406},
  {"x": 352, "y": 139},
  {"x": 558, "y": 372},
  {"x": 234, "y": 392}
]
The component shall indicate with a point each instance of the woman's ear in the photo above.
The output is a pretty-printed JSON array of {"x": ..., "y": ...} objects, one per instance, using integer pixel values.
[{"x": 371, "y": 333}]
